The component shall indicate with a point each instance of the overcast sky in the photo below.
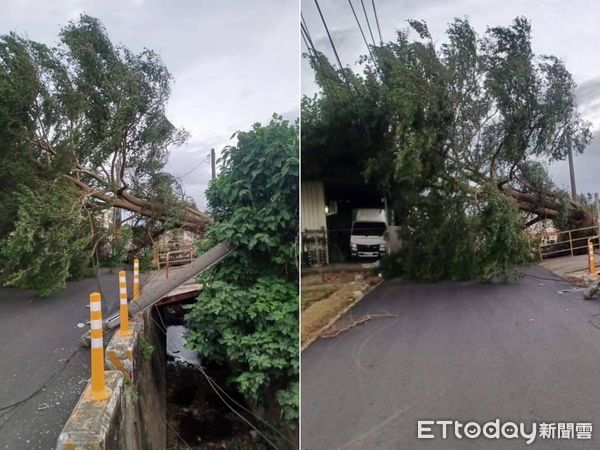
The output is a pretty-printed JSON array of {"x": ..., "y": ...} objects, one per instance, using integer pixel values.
[
  {"x": 568, "y": 30},
  {"x": 234, "y": 62}
]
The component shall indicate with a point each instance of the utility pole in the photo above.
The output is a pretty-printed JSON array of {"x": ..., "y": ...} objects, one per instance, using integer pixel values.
[
  {"x": 213, "y": 163},
  {"x": 597, "y": 208},
  {"x": 572, "y": 172}
]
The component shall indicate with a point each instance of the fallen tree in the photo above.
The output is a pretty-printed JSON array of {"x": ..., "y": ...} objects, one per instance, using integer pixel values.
[
  {"x": 98, "y": 111},
  {"x": 94, "y": 114},
  {"x": 475, "y": 110},
  {"x": 189, "y": 218},
  {"x": 457, "y": 138}
]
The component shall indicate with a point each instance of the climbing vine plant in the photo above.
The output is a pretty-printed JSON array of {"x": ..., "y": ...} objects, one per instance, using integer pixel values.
[{"x": 247, "y": 314}]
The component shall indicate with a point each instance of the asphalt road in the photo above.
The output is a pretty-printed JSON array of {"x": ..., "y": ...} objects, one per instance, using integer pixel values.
[
  {"x": 517, "y": 352},
  {"x": 40, "y": 349}
]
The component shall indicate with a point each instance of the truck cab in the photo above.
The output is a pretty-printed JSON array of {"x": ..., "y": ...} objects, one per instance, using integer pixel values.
[{"x": 368, "y": 234}]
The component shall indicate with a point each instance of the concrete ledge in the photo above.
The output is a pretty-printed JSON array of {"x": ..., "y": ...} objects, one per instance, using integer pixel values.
[
  {"x": 133, "y": 417},
  {"x": 119, "y": 352},
  {"x": 92, "y": 423}
]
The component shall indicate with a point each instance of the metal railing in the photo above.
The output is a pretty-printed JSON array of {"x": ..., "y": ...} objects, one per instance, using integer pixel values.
[
  {"x": 175, "y": 258},
  {"x": 576, "y": 240}
]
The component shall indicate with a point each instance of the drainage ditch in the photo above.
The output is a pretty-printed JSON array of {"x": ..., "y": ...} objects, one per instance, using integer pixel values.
[{"x": 197, "y": 417}]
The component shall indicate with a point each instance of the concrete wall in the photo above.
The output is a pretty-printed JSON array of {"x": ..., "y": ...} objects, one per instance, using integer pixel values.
[{"x": 133, "y": 417}]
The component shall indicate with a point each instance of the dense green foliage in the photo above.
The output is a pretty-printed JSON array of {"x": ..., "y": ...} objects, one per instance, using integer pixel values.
[
  {"x": 435, "y": 128},
  {"x": 50, "y": 240},
  {"x": 449, "y": 238},
  {"x": 93, "y": 113},
  {"x": 247, "y": 314}
]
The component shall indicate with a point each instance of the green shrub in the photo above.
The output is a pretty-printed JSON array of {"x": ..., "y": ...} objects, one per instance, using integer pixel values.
[
  {"x": 247, "y": 314},
  {"x": 50, "y": 241}
]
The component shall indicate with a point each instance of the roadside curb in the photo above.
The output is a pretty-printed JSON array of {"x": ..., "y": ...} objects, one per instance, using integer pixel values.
[{"x": 334, "y": 319}]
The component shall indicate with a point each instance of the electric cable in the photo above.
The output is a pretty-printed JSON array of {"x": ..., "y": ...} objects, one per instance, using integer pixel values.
[
  {"x": 342, "y": 72},
  {"x": 233, "y": 409},
  {"x": 377, "y": 22},
  {"x": 175, "y": 431},
  {"x": 248, "y": 411},
  {"x": 362, "y": 33},
  {"x": 368, "y": 23},
  {"x": 46, "y": 383},
  {"x": 210, "y": 380},
  {"x": 204, "y": 161},
  {"x": 318, "y": 65},
  {"x": 335, "y": 52}
]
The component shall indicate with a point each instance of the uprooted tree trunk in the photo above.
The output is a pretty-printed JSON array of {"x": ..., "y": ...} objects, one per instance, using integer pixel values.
[
  {"x": 547, "y": 205},
  {"x": 190, "y": 218}
]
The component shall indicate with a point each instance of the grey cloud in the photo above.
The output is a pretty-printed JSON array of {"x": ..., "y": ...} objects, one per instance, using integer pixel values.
[
  {"x": 588, "y": 92},
  {"x": 291, "y": 115},
  {"x": 586, "y": 169},
  {"x": 342, "y": 38}
]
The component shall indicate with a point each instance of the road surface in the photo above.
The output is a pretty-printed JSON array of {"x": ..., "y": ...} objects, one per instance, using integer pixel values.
[
  {"x": 40, "y": 349},
  {"x": 460, "y": 351}
]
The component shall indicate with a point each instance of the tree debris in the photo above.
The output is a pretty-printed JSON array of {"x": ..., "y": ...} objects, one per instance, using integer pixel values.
[{"x": 360, "y": 321}]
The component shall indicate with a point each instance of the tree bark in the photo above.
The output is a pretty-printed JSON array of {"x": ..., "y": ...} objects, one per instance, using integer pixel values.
[
  {"x": 191, "y": 220},
  {"x": 546, "y": 205}
]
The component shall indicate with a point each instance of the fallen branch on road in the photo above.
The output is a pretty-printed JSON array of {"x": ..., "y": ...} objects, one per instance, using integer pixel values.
[{"x": 360, "y": 321}]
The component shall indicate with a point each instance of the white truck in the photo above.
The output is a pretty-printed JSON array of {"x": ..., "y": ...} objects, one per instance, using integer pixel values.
[{"x": 368, "y": 234}]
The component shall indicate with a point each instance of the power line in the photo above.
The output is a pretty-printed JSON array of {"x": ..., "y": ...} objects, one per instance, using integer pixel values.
[
  {"x": 343, "y": 73},
  {"x": 318, "y": 63},
  {"x": 367, "y": 19},
  {"x": 44, "y": 385},
  {"x": 175, "y": 431},
  {"x": 307, "y": 42},
  {"x": 196, "y": 166},
  {"x": 335, "y": 52},
  {"x": 377, "y": 22},
  {"x": 248, "y": 411},
  {"x": 361, "y": 31},
  {"x": 303, "y": 22},
  {"x": 211, "y": 382},
  {"x": 233, "y": 409}
]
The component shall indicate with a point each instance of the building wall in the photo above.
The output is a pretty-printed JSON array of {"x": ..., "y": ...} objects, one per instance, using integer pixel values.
[{"x": 312, "y": 205}]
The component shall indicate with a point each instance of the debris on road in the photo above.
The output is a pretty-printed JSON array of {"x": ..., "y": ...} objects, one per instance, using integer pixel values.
[
  {"x": 591, "y": 290},
  {"x": 360, "y": 321},
  {"x": 563, "y": 291}
]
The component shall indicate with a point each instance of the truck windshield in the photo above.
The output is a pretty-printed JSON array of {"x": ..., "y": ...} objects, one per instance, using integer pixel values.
[{"x": 368, "y": 229}]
